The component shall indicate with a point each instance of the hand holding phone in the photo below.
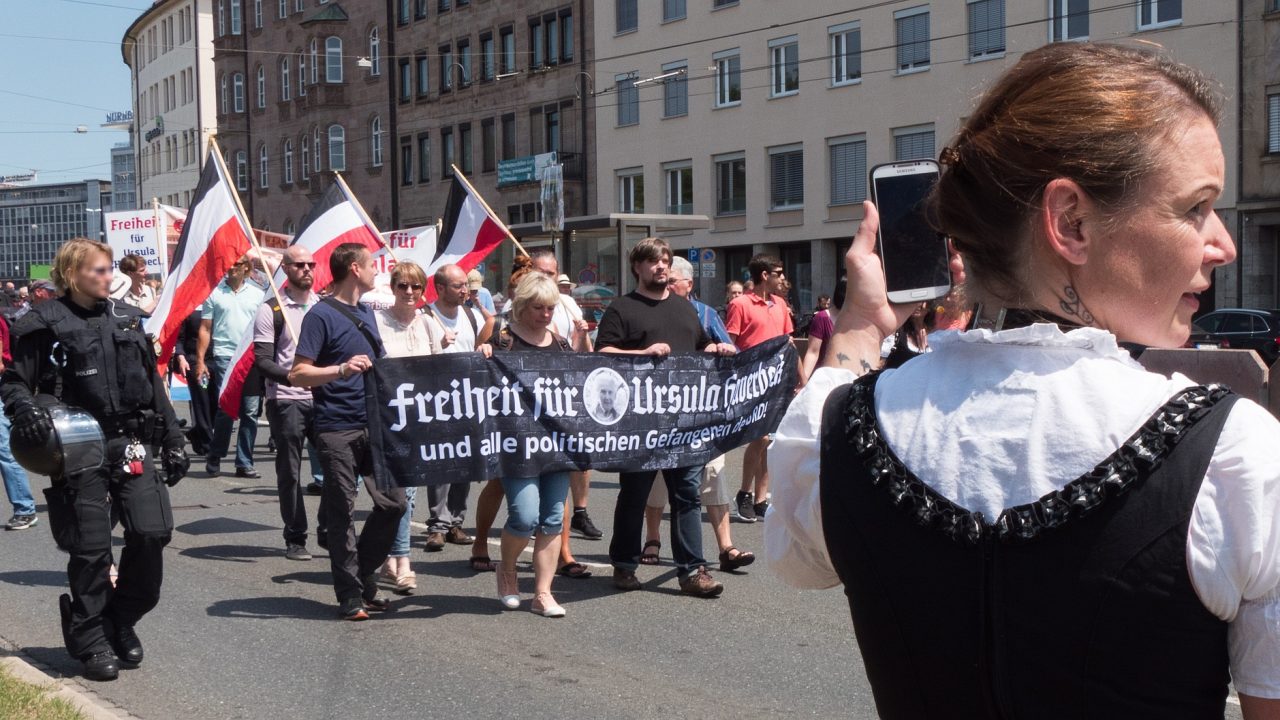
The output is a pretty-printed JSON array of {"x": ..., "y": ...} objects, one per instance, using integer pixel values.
[{"x": 914, "y": 256}]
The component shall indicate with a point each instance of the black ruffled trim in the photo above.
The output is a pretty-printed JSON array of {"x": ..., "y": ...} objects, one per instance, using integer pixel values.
[{"x": 1128, "y": 466}]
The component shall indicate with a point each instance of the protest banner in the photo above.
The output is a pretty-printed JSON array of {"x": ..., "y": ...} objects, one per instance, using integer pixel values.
[
  {"x": 137, "y": 232},
  {"x": 459, "y": 417}
]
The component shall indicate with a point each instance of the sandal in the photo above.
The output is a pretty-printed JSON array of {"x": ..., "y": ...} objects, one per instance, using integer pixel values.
[
  {"x": 650, "y": 558},
  {"x": 406, "y": 583},
  {"x": 482, "y": 563},
  {"x": 730, "y": 561},
  {"x": 575, "y": 570}
]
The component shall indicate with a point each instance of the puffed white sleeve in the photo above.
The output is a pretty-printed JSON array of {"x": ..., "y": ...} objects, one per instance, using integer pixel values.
[
  {"x": 1233, "y": 546},
  {"x": 794, "y": 546}
]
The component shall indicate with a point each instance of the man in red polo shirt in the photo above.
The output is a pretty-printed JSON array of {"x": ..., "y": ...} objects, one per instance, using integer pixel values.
[{"x": 758, "y": 315}]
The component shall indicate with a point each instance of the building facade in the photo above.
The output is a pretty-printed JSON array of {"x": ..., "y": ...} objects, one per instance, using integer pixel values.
[
  {"x": 302, "y": 91},
  {"x": 766, "y": 117},
  {"x": 35, "y": 220},
  {"x": 1258, "y": 230}
]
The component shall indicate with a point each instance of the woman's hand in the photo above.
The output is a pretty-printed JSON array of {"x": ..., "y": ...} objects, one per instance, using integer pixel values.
[
  {"x": 485, "y": 349},
  {"x": 867, "y": 297}
]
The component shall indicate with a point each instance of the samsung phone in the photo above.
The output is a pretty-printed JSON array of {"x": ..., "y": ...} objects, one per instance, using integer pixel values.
[{"x": 915, "y": 258}]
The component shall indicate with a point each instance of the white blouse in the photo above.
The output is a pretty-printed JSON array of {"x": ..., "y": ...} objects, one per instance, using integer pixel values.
[
  {"x": 996, "y": 419},
  {"x": 404, "y": 340}
]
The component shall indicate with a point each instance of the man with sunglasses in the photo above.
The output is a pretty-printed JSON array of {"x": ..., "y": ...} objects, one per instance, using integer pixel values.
[
  {"x": 224, "y": 319},
  {"x": 290, "y": 412},
  {"x": 462, "y": 329}
]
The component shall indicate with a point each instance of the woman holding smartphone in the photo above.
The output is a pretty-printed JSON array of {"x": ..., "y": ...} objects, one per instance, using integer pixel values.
[{"x": 1026, "y": 522}]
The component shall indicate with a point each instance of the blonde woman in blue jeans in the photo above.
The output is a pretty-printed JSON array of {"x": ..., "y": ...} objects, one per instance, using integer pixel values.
[{"x": 535, "y": 505}]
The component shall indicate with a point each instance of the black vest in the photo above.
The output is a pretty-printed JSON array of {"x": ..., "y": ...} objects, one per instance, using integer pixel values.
[
  {"x": 101, "y": 358},
  {"x": 1078, "y": 605}
]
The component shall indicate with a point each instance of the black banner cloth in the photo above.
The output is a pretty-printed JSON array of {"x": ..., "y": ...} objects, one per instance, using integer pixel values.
[{"x": 461, "y": 417}]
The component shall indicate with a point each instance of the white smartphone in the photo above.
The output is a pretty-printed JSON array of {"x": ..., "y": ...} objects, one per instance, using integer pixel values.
[{"x": 914, "y": 255}]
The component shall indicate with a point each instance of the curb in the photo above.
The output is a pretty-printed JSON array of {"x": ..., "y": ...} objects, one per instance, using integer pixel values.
[{"x": 93, "y": 706}]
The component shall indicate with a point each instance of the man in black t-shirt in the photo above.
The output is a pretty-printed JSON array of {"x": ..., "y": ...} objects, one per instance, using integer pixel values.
[{"x": 653, "y": 321}]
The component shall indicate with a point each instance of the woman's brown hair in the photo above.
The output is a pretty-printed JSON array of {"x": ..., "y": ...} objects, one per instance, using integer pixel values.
[{"x": 1092, "y": 113}]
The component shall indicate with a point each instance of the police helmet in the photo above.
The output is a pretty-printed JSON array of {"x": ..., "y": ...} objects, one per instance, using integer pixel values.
[{"x": 76, "y": 443}]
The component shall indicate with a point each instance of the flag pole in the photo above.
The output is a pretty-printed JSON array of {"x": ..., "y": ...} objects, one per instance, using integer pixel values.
[
  {"x": 458, "y": 174},
  {"x": 346, "y": 190},
  {"x": 253, "y": 239}
]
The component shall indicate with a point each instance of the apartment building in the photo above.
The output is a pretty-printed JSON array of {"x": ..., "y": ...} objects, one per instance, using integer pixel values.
[
  {"x": 1258, "y": 229},
  {"x": 767, "y": 116}
]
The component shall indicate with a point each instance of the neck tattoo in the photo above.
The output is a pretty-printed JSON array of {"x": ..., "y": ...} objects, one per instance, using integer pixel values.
[{"x": 1073, "y": 306}]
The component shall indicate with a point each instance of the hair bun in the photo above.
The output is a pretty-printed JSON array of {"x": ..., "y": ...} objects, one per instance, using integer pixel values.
[{"x": 949, "y": 156}]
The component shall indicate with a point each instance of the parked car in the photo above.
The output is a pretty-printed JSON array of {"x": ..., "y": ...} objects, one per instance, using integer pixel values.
[{"x": 1240, "y": 329}]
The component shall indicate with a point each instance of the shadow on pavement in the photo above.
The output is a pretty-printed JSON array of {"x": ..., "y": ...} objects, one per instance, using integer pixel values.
[
  {"x": 323, "y": 577},
  {"x": 220, "y": 526},
  {"x": 273, "y": 608},
  {"x": 260, "y": 490},
  {"x": 55, "y": 659},
  {"x": 35, "y": 578},
  {"x": 233, "y": 553}
]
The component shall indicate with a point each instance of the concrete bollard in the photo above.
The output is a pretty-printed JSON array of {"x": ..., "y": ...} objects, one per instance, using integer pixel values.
[{"x": 1241, "y": 370}]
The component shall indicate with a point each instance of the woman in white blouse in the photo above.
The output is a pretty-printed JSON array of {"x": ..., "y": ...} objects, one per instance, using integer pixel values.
[
  {"x": 1025, "y": 521},
  {"x": 404, "y": 333}
]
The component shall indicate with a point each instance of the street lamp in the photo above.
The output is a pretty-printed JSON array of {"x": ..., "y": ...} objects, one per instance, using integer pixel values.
[{"x": 466, "y": 79}]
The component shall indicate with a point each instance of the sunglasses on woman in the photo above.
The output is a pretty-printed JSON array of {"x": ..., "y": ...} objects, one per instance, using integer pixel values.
[{"x": 408, "y": 286}]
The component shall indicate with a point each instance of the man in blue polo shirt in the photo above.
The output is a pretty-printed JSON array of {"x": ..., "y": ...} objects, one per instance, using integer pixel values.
[{"x": 336, "y": 346}]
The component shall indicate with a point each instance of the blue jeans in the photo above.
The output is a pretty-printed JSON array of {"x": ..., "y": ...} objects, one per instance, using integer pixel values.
[
  {"x": 536, "y": 504},
  {"x": 248, "y": 431},
  {"x": 400, "y": 548},
  {"x": 16, "y": 485},
  {"x": 686, "y": 518}
]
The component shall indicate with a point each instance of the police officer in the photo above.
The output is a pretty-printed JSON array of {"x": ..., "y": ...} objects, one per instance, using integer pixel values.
[{"x": 90, "y": 351}]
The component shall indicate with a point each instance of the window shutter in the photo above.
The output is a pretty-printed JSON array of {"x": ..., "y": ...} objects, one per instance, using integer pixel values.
[
  {"x": 848, "y": 172},
  {"x": 1273, "y": 123}
]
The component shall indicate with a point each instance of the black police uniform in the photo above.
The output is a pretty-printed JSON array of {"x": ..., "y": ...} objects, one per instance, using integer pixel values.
[{"x": 99, "y": 359}]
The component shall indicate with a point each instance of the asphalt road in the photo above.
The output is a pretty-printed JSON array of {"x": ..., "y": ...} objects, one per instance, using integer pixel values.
[{"x": 242, "y": 632}]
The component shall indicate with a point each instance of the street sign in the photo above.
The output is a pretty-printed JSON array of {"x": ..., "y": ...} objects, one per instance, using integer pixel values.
[{"x": 525, "y": 169}]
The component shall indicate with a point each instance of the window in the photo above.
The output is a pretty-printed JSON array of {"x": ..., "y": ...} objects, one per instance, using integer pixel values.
[
  {"x": 285, "y": 79},
  {"x": 315, "y": 142},
  {"x": 846, "y": 53},
  {"x": 333, "y": 60},
  {"x": 406, "y": 81},
  {"x": 424, "y": 74},
  {"x": 375, "y": 53},
  {"x": 298, "y": 5},
  {"x": 566, "y": 35},
  {"x": 306, "y": 159},
  {"x": 488, "y": 146},
  {"x": 675, "y": 90},
  {"x": 1068, "y": 20},
  {"x": 237, "y": 92},
  {"x": 302, "y": 74},
  {"x": 914, "y": 143},
  {"x": 375, "y": 141},
  {"x": 1273, "y": 124},
  {"x": 786, "y": 178},
  {"x": 488, "y": 59},
  {"x": 507, "y": 38},
  {"x": 986, "y": 28},
  {"x": 551, "y": 130},
  {"x": 406, "y": 161},
  {"x": 424, "y": 158},
  {"x": 262, "y": 167},
  {"x": 315, "y": 62},
  {"x": 728, "y": 77},
  {"x": 442, "y": 5},
  {"x": 508, "y": 136},
  {"x": 446, "y": 152},
  {"x": 679, "y": 186},
  {"x": 260, "y": 83},
  {"x": 672, "y": 10},
  {"x": 222, "y": 22},
  {"x": 1159, "y": 13},
  {"x": 731, "y": 184},
  {"x": 464, "y": 141},
  {"x": 628, "y": 99},
  {"x": 630, "y": 191},
  {"x": 784, "y": 66},
  {"x": 242, "y": 171},
  {"x": 848, "y": 161},
  {"x": 337, "y": 148},
  {"x": 624, "y": 16},
  {"x": 257, "y": 16},
  {"x": 235, "y": 17},
  {"x": 419, "y": 9},
  {"x": 446, "y": 68},
  {"x": 288, "y": 162},
  {"x": 539, "y": 56},
  {"x": 282, "y": 11},
  {"x": 402, "y": 12},
  {"x": 912, "y": 36},
  {"x": 464, "y": 64}
]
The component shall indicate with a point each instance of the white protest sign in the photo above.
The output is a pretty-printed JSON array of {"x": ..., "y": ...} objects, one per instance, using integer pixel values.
[{"x": 137, "y": 232}]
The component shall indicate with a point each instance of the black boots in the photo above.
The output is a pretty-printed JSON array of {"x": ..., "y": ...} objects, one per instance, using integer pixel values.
[
  {"x": 101, "y": 666},
  {"x": 127, "y": 645}
]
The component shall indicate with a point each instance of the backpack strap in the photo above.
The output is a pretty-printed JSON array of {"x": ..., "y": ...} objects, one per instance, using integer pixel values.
[{"x": 361, "y": 325}]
